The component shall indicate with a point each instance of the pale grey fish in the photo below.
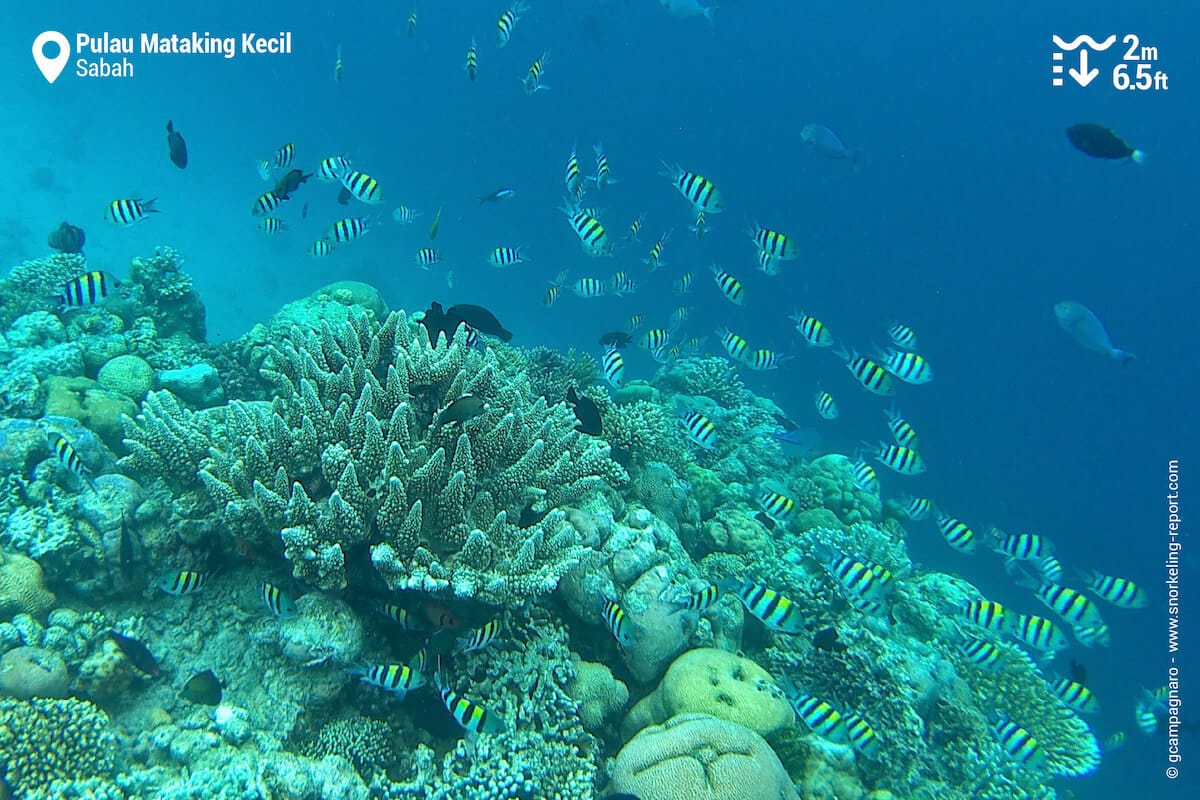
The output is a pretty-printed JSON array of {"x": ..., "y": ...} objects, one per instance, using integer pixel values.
[
  {"x": 689, "y": 8},
  {"x": 827, "y": 143},
  {"x": 1087, "y": 330}
]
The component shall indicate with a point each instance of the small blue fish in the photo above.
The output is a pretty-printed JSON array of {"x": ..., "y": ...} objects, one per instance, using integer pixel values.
[
  {"x": 499, "y": 194},
  {"x": 1088, "y": 331}
]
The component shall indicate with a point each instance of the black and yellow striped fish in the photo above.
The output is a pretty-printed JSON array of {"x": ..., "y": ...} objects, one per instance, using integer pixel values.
[
  {"x": 319, "y": 248},
  {"x": 763, "y": 359},
  {"x": 362, "y": 187},
  {"x": 869, "y": 375},
  {"x": 826, "y": 406},
  {"x": 472, "y": 60},
  {"x": 613, "y": 366},
  {"x": 508, "y": 20},
  {"x": 617, "y": 623},
  {"x": 277, "y": 601},
  {"x": 982, "y": 653},
  {"x": 855, "y": 577},
  {"x": 349, "y": 229},
  {"x": 1074, "y": 607},
  {"x": 404, "y": 619},
  {"x": 1075, "y": 696},
  {"x": 426, "y": 257},
  {"x": 284, "y": 156},
  {"x": 864, "y": 476},
  {"x": 684, "y": 284},
  {"x": 331, "y": 169},
  {"x": 730, "y": 286},
  {"x": 125, "y": 212},
  {"x": 480, "y": 637},
  {"x": 182, "y": 583},
  {"x": 735, "y": 345},
  {"x": 471, "y": 716},
  {"x": 603, "y": 176},
  {"x": 700, "y": 429},
  {"x": 1037, "y": 632},
  {"x": 533, "y": 77},
  {"x": 272, "y": 225},
  {"x": 87, "y": 290},
  {"x": 592, "y": 236},
  {"x": 820, "y": 717},
  {"x": 779, "y": 507},
  {"x": 696, "y": 189},
  {"x": 653, "y": 259},
  {"x": 505, "y": 256},
  {"x": 915, "y": 508},
  {"x": 986, "y": 614},
  {"x": 573, "y": 177},
  {"x": 700, "y": 600},
  {"x": 64, "y": 453},
  {"x": 1120, "y": 592},
  {"x": 773, "y": 243},
  {"x": 812, "y": 329},
  {"x": 902, "y": 335},
  {"x": 654, "y": 339},
  {"x": 1019, "y": 744},
  {"x": 862, "y": 735},
  {"x": 266, "y": 203},
  {"x": 956, "y": 533},
  {"x": 903, "y": 432},
  {"x": 589, "y": 287},
  {"x": 903, "y": 460},
  {"x": 908, "y": 367},
  {"x": 773, "y": 609},
  {"x": 399, "y": 679}
]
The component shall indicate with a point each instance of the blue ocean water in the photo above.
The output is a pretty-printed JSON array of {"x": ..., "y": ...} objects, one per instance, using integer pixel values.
[{"x": 969, "y": 217}]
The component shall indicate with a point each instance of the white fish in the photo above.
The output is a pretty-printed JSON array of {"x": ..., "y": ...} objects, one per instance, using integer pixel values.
[
  {"x": 827, "y": 143},
  {"x": 688, "y": 8},
  {"x": 1087, "y": 330}
]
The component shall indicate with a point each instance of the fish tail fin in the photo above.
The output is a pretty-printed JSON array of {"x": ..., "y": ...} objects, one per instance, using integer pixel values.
[
  {"x": 1123, "y": 357},
  {"x": 148, "y": 205},
  {"x": 856, "y": 159}
]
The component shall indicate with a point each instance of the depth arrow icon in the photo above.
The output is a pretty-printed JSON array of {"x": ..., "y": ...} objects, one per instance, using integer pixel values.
[{"x": 1083, "y": 76}]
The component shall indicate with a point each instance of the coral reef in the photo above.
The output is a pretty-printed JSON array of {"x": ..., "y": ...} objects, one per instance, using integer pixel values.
[
  {"x": 22, "y": 587},
  {"x": 164, "y": 292},
  {"x": 54, "y": 740}
]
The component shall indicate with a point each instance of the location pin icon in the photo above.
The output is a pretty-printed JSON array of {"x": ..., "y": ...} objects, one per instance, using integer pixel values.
[{"x": 51, "y": 67}]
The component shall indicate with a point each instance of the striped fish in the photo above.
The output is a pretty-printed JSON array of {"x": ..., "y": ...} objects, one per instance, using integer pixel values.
[
  {"x": 404, "y": 619},
  {"x": 508, "y": 20},
  {"x": 1037, "y": 632},
  {"x": 779, "y": 507},
  {"x": 472, "y": 65},
  {"x": 1092, "y": 635},
  {"x": 1146, "y": 718},
  {"x": 128, "y": 211},
  {"x": 734, "y": 345},
  {"x": 533, "y": 77},
  {"x": 330, "y": 169},
  {"x": 426, "y": 257},
  {"x": 772, "y": 609},
  {"x": 266, "y": 203},
  {"x": 573, "y": 178},
  {"x": 679, "y": 316},
  {"x": 983, "y": 654},
  {"x": 1075, "y": 696},
  {"x": 862, "y": 735},
  {"x": 820, "y": 717},
  {"x": 1024, "y": 546},
  {"x": 277, "y": 601},
  {"x": 826, "y": 406},
  {"x": 182, "y": 583},
  {"x": 551, "y": 295},
  {"x": 864, "y": 477},
  {"x": 763, "y": 359},
  {"x": 1049, "y": 568},
  {"x": 284, "y": 156},
  {"x": 64, "y": 453},
  {"x": 589, "y": 287},
  {"x": 1074, "y": 607},
  {"x": 700, "y": 226},
  {"x": 1019, "y": 744},
  {"x": 730, "y": 286},
  {"x": 870, "y": 375},
  {"x": 603, "y": 176},
  {"x": 399, "y": 679},
  {"x": 986, "y": 614},
  {"x": 618, "y": 624},
  {"x": 956, "y": 533},
  {"x": 812, "y": 329},
  {"x": 505, "y": 257},
  {"x": 622, "y": 284},
  {"x": 86, "y": 290},
  {"x": 272, "y": 225},
  {"x": 472, "y": 717},
  {"x": 773, "y": 243},
  {"x": 856, "y": 578},
  {"x": 902, "y": 335},
  {"x": 904, "y": 433},
  {"x": 1118, "y": 591},
  {"x": 1114, "y": 742},
  {"x": 319, "y": 248},
  {"x": 908, "y": 367},
  {"x": 635, "y": 229},
  {"x": 699, "y": 601},
  {"x": 480, "y": 637},
  {"x": 654, "y": 339},
  {"x": 700, "y": 430},
  {"x": 903, "y": 460},
  {"x": 696, "y": 189},
  {"x": 684, "y": 284},
  {"x": 654, "y": 258},
  {"x": 613, "y": 366},
  {"x": 915, "y": 508},
  {"x": 362, "y": 186},
  {"x": 348, "y": 229},
  {"x": 767, "y": 264},
  {"x": 592, "y": 236},
  {"x": 636, "y": 323}
]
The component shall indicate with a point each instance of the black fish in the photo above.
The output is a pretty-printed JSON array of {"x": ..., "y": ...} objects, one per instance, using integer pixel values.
[
  {"x": 765, "y": 521},
  {"x": 463, "y": 410},
  {"x": 827, "y": 639},
  {"x": 1078, "y": 672},
  {"x": 344, "y": 196},
  {"x": 617, "y": 339},
  {"x": 290, "y": 182},
  {"x": 621, "y": 796},
  {"x": 438, "y": 321},
  {"x": 785, "y": 423},
  {"x": 125, "y": 551},
  {"x": 202, "y": 688},
  {"x": 1100, "y": 142},
  {"x": 529, "y": 516},
  {"x": 177, "y": 146},
  {"x": 66, "y": 238},
  {"x": 586, "y": 411},
  {"x": 137, "y": 653},
  {"x": 304, "y": 212}
]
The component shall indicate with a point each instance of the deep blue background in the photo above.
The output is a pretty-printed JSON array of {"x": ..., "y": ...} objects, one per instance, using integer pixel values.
[{"x": 969, "y": 218}]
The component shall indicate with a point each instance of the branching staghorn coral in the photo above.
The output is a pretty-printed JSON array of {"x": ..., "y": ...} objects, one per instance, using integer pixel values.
[{"x": 357, "y": 449}]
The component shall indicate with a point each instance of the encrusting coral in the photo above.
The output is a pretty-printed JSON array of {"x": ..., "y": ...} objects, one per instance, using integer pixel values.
[
  {"x": 54, "y": 740},
  {"x": 363, "y": 446}
]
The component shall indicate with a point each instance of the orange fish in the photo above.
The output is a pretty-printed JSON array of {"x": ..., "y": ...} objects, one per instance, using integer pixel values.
[{"x": 439, "y": 616}]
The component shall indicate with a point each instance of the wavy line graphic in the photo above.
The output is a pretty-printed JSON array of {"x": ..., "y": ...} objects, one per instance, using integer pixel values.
[{"x": 1061, "y": 44}]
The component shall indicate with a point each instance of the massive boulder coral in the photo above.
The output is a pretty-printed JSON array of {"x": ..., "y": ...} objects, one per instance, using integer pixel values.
[{"x": 363, "y": 447}]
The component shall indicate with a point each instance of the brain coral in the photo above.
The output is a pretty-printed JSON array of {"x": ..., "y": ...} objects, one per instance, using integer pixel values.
[{"x": 22, "y": 590}]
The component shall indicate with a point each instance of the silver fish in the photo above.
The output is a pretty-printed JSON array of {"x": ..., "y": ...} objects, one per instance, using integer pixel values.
[
  {"x": 1087, "y": 330},
  {"x": 688, "y": 8},
  {"x": 827, "y": 143}
]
